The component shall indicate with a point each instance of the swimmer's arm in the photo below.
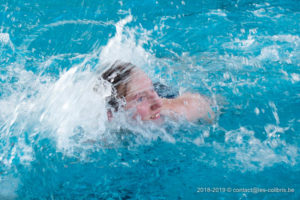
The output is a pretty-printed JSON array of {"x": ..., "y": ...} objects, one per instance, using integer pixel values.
[{"x": 191, "y": 106}]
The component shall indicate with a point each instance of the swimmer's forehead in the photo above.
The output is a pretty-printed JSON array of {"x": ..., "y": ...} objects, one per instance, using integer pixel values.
[{"x": 139, "y": 82}]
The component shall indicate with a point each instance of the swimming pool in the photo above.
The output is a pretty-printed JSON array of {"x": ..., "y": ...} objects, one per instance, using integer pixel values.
[{"x": 55, "y": 142}]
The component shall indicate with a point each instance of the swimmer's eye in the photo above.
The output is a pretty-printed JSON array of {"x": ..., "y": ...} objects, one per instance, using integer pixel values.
[{"x": 140, "y": 99}]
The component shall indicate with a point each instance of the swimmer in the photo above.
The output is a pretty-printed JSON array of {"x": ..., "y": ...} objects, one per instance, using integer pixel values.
[{"x": 136, "y": 89}]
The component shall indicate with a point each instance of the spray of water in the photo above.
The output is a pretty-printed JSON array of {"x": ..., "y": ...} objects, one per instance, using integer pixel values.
[{"x": 67, "y": 110}]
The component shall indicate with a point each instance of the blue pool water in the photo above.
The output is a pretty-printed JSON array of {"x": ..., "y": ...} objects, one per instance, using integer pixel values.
[{"x": 56, "y": 143}]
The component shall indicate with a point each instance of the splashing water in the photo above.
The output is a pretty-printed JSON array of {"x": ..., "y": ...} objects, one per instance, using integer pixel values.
[{"x": 56, "y": 141}]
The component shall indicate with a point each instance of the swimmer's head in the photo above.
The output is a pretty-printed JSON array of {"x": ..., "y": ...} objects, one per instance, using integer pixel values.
[
  {"x": 118, "y": 75},
  {"x": 135, "y": 87}
]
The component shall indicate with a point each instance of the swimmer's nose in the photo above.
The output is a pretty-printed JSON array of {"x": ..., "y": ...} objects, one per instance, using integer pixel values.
[{"x": 156, "y": 101}]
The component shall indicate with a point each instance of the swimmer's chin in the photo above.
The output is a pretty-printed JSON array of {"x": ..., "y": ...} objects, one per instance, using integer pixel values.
[
  {"x": 157, "y": 119},
  {"x": 136, "y": 117}
]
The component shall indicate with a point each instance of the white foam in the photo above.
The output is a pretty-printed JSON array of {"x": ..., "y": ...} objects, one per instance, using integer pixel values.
[
  {"x": 253, "y": 154},
  {"x": 286, "y": 38},
  {"x": 269, "y": 53},
  {"x": 56, "y": 108},
  {"x": 15, "y": 117},
  {"x": 274, "y": 111},
  {"x": 256, "y": 110},
  {"x": 295, "y": 77},
  {"x": 260, "y": 12},
  {"x": 245, "y": 43},
  {"x": 125, "y": 46},
  {"x": 79, "y": 21},
  {"x": 218, "y": 12},
  {"x": 273, "y": 130},
  {"x": 4, "y": 38},
  {"x": 71, "y": 103},
  {"x": 199, "y": 141}
]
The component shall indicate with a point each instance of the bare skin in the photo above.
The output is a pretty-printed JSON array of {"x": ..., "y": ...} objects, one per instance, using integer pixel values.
[
  {"x": 191, "y": 106},
  {"x": 149, "y": 106}
]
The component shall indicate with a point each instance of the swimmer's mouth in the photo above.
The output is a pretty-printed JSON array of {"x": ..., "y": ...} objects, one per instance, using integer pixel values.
[{"x": 155, "y": 116}]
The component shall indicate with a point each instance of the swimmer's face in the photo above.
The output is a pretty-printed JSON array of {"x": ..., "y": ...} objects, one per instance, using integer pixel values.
[{"x": 142, "y": 97}]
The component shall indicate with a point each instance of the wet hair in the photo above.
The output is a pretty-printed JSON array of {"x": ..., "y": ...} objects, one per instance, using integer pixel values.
[{"x": 118, "y": 75}]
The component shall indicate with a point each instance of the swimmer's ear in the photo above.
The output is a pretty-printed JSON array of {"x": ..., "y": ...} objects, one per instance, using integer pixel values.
[{"x": 109, "y": 115}]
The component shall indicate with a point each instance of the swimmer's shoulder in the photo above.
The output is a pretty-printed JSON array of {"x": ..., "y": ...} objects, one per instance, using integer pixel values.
[{"x": 192, "y": 106}]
